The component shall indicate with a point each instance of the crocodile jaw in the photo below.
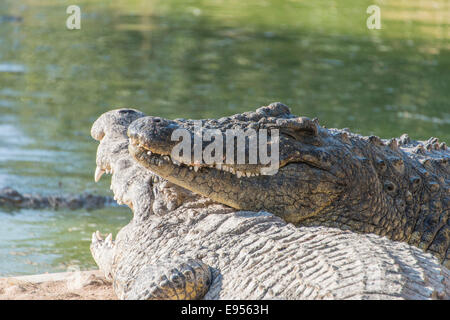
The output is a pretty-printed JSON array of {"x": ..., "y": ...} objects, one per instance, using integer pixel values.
[{"x": 301, "y": 184}]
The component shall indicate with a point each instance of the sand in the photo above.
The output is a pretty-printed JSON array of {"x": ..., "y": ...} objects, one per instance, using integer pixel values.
[{"x": 83, "y": 285}]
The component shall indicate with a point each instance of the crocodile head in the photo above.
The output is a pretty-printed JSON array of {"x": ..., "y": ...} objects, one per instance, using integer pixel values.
[
  {"x": 10, "y": 197},
  {"x": 302, "y": 178}
]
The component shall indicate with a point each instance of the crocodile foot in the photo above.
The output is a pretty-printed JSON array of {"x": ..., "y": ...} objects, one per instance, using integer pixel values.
[{"x": 176, "y": 279}]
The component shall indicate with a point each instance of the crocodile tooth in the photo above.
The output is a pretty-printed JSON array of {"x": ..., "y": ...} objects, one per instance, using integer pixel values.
[
  {"x": 166, "y": 158},
  {"x": 239, "y": 174},
  {"x": 94, "y": 238},
  {"x": 149, "y": 153},
  {"x": 98, "y": 236},
  {"x": 98, "y": 173},
  {"x": 108, "y": 239},
  {"x": 218, "y": 166},
  {"x": 190, "y": 168},
  {"x": 248, "y": 174},
  {"x": 196, "y": 168}
]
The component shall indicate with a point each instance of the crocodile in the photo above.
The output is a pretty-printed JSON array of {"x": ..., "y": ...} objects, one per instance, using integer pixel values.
[
  {"x": 13, "y": 199},
  {"x": 399, "y": 188},
  {"x": 181, "y": 244}
]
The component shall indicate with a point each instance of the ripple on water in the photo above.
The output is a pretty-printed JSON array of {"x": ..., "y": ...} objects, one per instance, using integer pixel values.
[
  {"x": 12, "y": 68},
  {"x": 10, "y": 135},
  {"x": 422, "y": 117}
]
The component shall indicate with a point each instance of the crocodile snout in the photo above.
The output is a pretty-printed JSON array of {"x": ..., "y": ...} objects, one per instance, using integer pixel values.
[{"x": 153, "y": 133}]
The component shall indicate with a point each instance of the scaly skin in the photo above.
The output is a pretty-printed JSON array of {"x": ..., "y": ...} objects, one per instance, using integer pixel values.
[
  {"x": 397, "y": 188},
  {"x": 12, "y": 199},
  {"x": 180, "y": 245}
]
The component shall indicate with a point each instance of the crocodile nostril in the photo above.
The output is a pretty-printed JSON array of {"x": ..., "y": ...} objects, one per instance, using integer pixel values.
[{"x": 124, "y": 111}]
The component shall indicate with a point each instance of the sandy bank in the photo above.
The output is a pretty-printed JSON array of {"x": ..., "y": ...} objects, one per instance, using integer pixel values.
[{"x": 84, "y": 285}]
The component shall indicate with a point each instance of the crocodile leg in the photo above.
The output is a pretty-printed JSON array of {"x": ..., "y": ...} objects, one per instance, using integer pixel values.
[{"x": 175, "y": 279}]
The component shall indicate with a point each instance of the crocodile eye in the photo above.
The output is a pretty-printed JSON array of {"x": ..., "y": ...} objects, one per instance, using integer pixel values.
[
  {"x": 298, "y": 126},
  {"x": 300, "y": 129},
  {"x": 289, "y": 134}
]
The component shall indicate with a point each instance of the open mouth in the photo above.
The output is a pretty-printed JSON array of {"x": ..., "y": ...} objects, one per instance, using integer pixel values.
[{"x": 100, "y": 171}]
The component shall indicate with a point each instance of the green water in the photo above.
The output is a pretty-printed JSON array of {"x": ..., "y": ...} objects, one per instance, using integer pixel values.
[{"x": 195, "y": 59}]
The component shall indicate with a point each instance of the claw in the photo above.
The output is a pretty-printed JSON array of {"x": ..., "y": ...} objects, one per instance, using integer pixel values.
[{"x": 98, "y": 174}]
